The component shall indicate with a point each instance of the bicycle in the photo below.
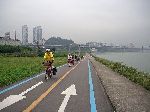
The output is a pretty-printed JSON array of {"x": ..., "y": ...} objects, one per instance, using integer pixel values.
[
  {"x": 70, "y": 62},
  {"x": 49, "y": 70}
]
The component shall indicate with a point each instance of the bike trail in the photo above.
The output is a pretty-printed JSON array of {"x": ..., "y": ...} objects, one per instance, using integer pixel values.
[{"x": 84, "y": 92}]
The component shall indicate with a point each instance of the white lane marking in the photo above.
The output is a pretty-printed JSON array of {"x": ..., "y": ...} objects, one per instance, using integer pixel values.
[
  {"x": 15, "y": 98},
  {"x": 19, "y": 84},
  {"x": 22, "y": 82},
  {"x": 68, "y": 92}
]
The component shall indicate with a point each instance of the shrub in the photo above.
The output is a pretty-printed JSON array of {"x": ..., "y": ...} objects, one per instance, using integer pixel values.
[{"x": 131, "y": 73}]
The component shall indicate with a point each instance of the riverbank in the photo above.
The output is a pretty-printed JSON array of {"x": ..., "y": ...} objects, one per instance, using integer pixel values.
[
  {"x": 125, "y": 95},
  {"x": 131, "y": 73},
  {"x": 138, "y": 60}
]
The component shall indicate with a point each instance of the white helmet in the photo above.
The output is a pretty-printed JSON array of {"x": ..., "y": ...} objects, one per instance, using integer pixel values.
[{"x": 47, "y": 50}]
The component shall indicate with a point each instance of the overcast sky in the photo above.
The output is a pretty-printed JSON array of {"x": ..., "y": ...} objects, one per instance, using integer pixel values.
[{"x": 111, "y": 21}]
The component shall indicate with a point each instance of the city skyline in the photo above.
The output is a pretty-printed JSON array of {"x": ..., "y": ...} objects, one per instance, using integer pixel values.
[{"x": 37, "y": 39}]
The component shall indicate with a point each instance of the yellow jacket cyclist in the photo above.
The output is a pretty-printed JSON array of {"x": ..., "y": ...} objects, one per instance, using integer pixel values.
[{"x": 49, "y": 57}]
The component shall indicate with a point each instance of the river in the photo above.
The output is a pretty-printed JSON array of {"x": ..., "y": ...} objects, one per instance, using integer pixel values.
[{"x": 139, "y": 60}]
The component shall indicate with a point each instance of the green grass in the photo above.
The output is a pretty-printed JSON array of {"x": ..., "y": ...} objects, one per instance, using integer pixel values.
[
  {"x": 13, "y": 69},
  {"x": 131, "y": 73}
]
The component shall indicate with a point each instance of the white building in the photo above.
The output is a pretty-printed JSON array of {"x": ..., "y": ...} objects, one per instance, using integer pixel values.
[
  {"x": 25, "y": 35},
  {"x": 94, "y": 44},
  {"x": 7, "y": 35},
  {"x": 6, "y": 41},
  {"x": 37, "y": 35}
]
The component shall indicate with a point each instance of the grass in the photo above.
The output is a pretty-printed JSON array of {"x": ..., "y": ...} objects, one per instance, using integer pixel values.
[
  {"x": 131, "y": 73},
  {"x": 13, "y": 69}
]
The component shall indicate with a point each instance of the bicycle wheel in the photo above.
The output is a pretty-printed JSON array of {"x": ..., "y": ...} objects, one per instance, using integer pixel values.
[
  {"x": 46, "y": 77},
  {"x": 49, "y": 73},
  {"x": 50, "y": 76}
]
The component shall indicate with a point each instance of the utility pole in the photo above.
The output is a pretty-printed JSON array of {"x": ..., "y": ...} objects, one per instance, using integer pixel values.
[
  {"x": 15, "y": 35},
  {"x": 142, "y": 48},
  {"x": 79, "y": 50}
]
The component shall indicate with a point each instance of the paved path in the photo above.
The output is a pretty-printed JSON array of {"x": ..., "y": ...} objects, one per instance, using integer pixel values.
[{"x": 73, "y": 89}]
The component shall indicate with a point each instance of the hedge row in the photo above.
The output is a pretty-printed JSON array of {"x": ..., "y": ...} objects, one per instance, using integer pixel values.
[{"x": 131, "y": 73}]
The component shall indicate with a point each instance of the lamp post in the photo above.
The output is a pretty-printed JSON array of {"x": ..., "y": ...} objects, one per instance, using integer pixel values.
[{"x": 79, "y": 50}]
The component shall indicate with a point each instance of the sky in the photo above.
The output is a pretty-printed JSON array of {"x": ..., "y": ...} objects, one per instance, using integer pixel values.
[{"x": 109, "y": 21}]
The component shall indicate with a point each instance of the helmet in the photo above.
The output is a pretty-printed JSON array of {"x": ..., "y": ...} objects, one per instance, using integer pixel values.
[{"x": 47, "y": 50}]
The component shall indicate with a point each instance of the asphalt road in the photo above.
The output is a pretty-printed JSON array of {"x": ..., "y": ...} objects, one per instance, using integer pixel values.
[{"x": 73, "y": 89}]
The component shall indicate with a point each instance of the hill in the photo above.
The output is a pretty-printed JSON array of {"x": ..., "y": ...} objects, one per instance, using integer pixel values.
[{"x": 58, "y": 41}]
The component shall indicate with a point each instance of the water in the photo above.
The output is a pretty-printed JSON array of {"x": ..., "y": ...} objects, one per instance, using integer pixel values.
[{"x": 138, "y": 60}]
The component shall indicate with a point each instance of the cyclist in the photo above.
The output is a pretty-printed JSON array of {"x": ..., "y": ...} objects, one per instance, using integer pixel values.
[
  {"x": 69, "y": 59},
  {"x": 49, "y": 58}
]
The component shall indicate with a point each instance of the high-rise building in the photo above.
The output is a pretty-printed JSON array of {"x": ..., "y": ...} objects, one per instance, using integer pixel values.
[
  {"x": 34, "y": 35},
  {"x": 25, "y": 35},
  {"x": 37, "y": 35}
]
